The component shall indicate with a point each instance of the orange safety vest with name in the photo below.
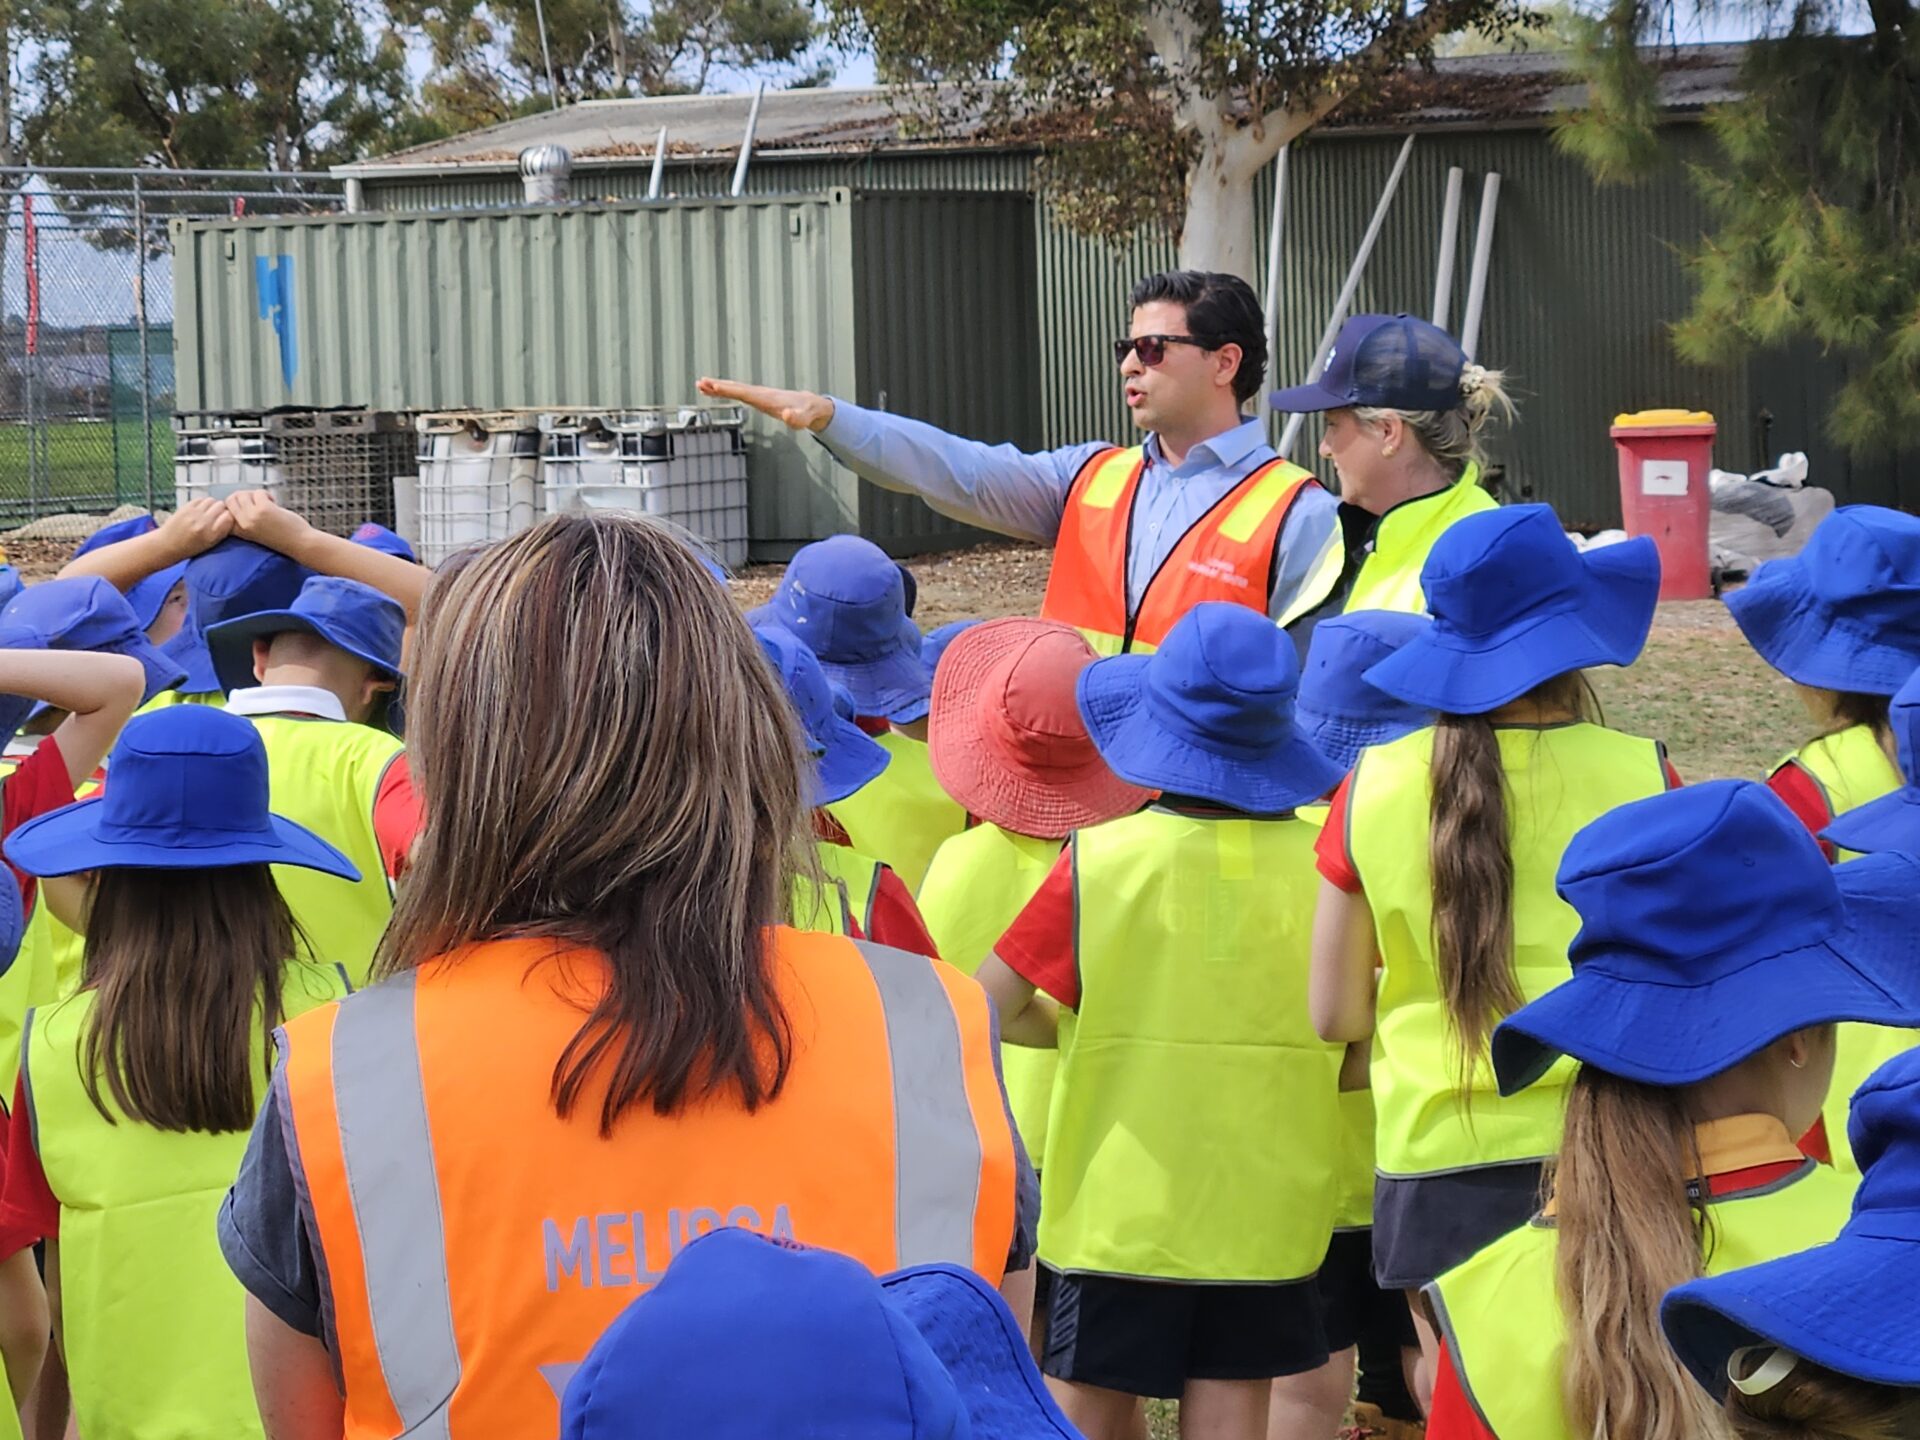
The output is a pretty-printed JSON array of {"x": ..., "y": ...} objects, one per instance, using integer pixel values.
[
  {"x": 1227, "y": 554},
  {"x": 476, "y": 1244}
]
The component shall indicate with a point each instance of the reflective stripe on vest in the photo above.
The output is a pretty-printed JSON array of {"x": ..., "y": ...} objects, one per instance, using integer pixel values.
[
  {"x": 465, "y": 1292},
  {"x": 1558, "y": 779},
  {"x": 1227, "y": 554},
  {"x": 1850, "y": 767},
  {"x": 1196, "y": 1103},
  {"x": 849, "y": 881},
  {"x": 153, "y": 1320},
  {"x": 901, "y": 816},
  {"x": 325, "y": 775},
  {"x": 1389, "y": 577},
  {"x": 978, "y": 884},
  {"x": 1501, "y": 1316}
]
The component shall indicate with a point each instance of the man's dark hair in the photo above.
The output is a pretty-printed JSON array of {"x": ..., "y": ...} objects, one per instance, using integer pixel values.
[{"x": 1221, "y": 310}]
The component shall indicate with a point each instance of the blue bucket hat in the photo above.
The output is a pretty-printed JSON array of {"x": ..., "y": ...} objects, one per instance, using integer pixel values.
[
  {"x": 848, "y": 757},
  {"x": 932, "y": 646},
  {"x": 747, "y": 1338},
  {"x": 1848, "y": 1305},
  {"x": 10, "y": 584},
  {"x": 189, "y": 792},
  {"x": 1209, "y": 714},
  {"x": 379, "y": 537},
  {"x": 1515, "y": 604},
  {"x": 1891, "y": 822},
  {"x": 13, "y": 925},
  {"x": 1843, "y": 614},
  {"x": 1394, "y": 361},
  {"x": 1710, "y": 926},
  {"x": 150, "y": 594},
  {"x": 81, "y": 612},
  {"x": 845, "y": 599},
  {"x": 346, "y": 614},
  {"x": 1338, "y": 710}
]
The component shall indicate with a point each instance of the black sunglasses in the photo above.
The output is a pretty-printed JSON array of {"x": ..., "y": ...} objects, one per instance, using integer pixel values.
[{"x": 1152, "y": 349}]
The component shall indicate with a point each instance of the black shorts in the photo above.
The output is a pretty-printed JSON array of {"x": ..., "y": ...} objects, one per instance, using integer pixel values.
[
  {"x": 1359, "y": 1312},
  {"x": 1424, "y": 1225},
  {"x": 1150, "y": 1337}
]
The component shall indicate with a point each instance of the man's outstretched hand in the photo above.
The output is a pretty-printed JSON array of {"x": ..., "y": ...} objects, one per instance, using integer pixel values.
[{"x": 801, "y": 409}]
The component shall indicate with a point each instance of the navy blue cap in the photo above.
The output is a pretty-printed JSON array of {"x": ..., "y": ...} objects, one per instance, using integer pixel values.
[{"x": 1397, "y": 362}]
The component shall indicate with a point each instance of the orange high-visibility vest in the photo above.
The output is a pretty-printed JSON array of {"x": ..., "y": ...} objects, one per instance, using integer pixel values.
[
  {"x": 1226, "y": 555},
  {"x": 476, "y": 1244}
]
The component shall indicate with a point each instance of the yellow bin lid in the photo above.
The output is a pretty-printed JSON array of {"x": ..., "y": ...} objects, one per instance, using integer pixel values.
[{"x": 1664, "y": 417}]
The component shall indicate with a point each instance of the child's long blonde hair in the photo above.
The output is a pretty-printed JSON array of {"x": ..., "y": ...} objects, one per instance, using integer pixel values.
[
  {"x": 1629, "y": 1231},
  {"x": 1470, "y": 866}
]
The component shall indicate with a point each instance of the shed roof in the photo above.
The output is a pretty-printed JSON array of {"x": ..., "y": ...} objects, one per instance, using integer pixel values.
[{"x": 1476, "y": 91}]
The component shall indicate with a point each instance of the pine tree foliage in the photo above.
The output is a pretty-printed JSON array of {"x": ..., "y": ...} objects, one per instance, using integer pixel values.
[{"x": 1814, "y": 198}]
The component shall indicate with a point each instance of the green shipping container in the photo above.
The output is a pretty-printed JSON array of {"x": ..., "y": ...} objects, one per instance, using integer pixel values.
[{"x": 923, "y": 303}]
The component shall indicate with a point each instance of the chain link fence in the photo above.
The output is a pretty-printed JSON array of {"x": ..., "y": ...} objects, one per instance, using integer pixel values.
[{"x": 86, "y": 329}]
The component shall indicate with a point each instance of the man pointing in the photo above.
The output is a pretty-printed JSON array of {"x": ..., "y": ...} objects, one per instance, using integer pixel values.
[{"x": 1203, "y": 510}]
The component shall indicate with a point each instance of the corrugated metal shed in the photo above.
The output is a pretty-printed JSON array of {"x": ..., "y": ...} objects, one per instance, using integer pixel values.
[
  {"x": 617, "y": 306},
  {"x": 1586, "y": 279}
]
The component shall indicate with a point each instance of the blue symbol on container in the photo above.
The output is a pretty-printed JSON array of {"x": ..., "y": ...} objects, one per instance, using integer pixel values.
[{"x": 274, "y": 277}]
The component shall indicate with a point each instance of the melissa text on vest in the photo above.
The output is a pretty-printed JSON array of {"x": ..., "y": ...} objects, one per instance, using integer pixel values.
[{"x": 612, "y": 1250}]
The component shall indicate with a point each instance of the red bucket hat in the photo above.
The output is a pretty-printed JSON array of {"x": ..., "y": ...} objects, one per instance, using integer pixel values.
[{"x": 1006, "y": 737}]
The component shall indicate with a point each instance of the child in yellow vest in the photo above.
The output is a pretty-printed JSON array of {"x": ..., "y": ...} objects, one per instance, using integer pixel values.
[
  {"x": 1437, "y": 913},
  {"x": 1842, "y": 621},
  {"x": 857, "y": 896},
  {"x": 24, "y": 1319},
  {"x": 1369, "y": 1330},
  {"x": 1825, "y": 1343},
  {"x": 1891, "y": 822},
  {"x": 1008, "y": 743},
  {"x": 847, "y": 602},
  {"x": 315, "y": 680},
  {"x": 140, "y": 1090},
  {"x": 1716, "y": 952},
  {"x": 1192, "y": 1152},
  {"x": 76, "y": 647}
]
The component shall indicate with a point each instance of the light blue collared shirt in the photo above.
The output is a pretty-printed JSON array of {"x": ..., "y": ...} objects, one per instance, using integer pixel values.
[{"x": 1013, "y": 492}]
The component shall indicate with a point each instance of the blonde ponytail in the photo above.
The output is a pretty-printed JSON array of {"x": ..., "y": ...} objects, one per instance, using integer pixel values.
[{"x": 1630, "y": 1230}]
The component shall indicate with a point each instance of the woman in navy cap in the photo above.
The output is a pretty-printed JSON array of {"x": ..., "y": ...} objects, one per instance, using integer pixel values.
[
  {"x": 1842, "y": 621},
  {"x": 1405, "y": 410},
  {"x": 140, "y": 1089},
  {"x": 1825, "y": 1344},
  {"x": 1437, "y": 915},
  {"x": 1716, "y": 952}
]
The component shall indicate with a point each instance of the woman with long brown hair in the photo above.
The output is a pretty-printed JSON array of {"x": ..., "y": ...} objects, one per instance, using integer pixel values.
[
  {"x": 1437, "y": 915},
  {"x": 141, "y": 1087},
  {"x": 597, "y": 1041},
  {"x": 1716, "y": 953}
]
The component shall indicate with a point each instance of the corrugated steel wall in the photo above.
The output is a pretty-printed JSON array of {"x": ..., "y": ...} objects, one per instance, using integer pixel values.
[
  {"x": 1585, "y": 281},
  {"x": 1583, "y": 285},
  {"x": 934, "y": 342},
  {"x": 602, "y": 308}
]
